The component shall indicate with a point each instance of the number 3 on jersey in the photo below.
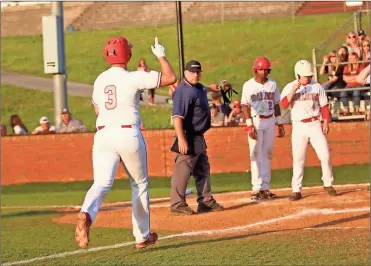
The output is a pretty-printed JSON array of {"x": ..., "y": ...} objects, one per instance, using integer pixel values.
[{"x": 110, "y": 90}]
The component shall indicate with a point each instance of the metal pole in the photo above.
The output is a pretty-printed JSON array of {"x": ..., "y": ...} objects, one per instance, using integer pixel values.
[
  {"x": 355, "y": 21},
  {"x": 60, "y": 79},
  {"x": 360, "y": 21},
  {"x": 222, "y": 12},
  {"x": 180, "y": 38},
  {"x": 315, "y": 77}
]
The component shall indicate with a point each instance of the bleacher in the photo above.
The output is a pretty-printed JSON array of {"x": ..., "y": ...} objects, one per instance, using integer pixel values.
[{"x": 25, "y": 19}]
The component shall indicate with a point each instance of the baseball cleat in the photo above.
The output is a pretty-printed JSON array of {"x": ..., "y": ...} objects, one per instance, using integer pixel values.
[
  {"x": 330, "y": 190},
  {"x": 150, "y": 241},
  {"x": 295, "y": 196},
  {"x": 266, "y": 194},
  {"x": 182, "y": 210},
  {"x": 256, "y": 195},
  {"x": 209, "y": 206},
  {"x": 82, "y": 229}
]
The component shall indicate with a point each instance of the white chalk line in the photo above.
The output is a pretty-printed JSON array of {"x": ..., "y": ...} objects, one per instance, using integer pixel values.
[
  {"x": 194, "y": 233},
  {"x": 336, "y": 228},
  {"x": 162, "y": 199}
]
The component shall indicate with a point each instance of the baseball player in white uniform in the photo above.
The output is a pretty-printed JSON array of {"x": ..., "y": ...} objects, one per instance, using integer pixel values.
[
  {"x": 116, "y": 102},
  {"x": 260, "y": 100},
  {"x": 308, "y": 102}
]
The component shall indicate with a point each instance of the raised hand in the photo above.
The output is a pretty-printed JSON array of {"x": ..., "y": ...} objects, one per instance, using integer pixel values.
[{"x": 157, "y": 49}]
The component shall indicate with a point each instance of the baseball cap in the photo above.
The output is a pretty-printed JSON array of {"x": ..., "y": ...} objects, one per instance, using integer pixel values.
[
  {"x": 43, "y": 120},
  {"x": 193, "y": 66},
  {"x": 361, "y": 32},
  {"x": 65, "y": 111}
]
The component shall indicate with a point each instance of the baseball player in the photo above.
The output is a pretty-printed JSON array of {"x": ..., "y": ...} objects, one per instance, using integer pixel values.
[
  {"x": 116, "y": 102},
  {"x": 260, "y": 100},
  {"x": 308, "y": 102}
]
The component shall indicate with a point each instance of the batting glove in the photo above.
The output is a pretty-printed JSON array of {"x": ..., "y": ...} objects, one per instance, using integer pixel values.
[{"x": 158, "y": 49}]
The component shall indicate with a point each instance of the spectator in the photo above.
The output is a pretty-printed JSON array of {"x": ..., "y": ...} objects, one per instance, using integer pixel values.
[
  {"x": 361, "y": 36},
  {"x": 216, "y": 99},
  {"x": 142, "y": 66},
  {"x": 69, "y": 124},
  {"x": 366, "y": 52},
  {"x": 349, "y": 75},
  {"x": 364, "y": 78},
  {"x": 44, "y": 127},
  {"x": 172, "y": 90},
  {"x": 217, "y": 118},
  {"x": 3, "y": 130},
  {"x": 335, "y": 70},
  {"x": 17, "y": 125},
  {"x": 236, "y": 117},
  {"x": 343, "y": 54},
  {"x": 352, "y": 43}
]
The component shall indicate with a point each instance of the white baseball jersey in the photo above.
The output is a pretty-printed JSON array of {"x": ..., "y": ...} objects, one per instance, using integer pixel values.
[
  {"x": 117, "y": 95},
  {"x": 307, "y": 100},
  {"x": 260, "y": 97}
]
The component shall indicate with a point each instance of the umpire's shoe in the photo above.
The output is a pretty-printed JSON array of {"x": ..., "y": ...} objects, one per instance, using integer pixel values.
[
  {"x": 295, "y": 196},
  {"x": 82, "y": 229},
  {"x": 182, "y": 209},
  {"x": 209, "y": 206},
  {"x": 331, "y": 191}
]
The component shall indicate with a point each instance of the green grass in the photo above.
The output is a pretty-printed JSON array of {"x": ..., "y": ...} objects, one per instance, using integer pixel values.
[
  {"x": 34, "y": 235},
  {"x": 226, "y": 51},
  {"x": 30, "y": 233},
  {"x": 30, "y": 105},
  {"x": 73, "y": 193}
]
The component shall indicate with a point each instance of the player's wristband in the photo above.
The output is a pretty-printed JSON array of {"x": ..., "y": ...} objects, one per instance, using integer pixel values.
[
  {"x": 278, "y": 120},
  {"x": 248, "y": 122}
]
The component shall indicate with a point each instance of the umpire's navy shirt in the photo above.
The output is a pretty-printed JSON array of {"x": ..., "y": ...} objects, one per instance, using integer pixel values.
[{"x": 190, "y": 102}]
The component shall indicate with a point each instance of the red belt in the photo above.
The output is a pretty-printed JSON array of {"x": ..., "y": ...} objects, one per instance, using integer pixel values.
[
  {"x": 264, "y": 116},
  {"x": 123, "y": 126},
  {"x": 307, "y": 120}
]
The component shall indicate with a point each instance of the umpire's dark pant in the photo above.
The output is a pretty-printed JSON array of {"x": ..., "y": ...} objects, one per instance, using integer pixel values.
[{"x": 185, "y": 166}]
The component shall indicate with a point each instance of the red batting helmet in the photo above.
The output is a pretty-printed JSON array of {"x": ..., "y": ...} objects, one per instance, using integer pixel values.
[
  {"x": 117, "y": 50},
  {"x": 262, "y": 63}
]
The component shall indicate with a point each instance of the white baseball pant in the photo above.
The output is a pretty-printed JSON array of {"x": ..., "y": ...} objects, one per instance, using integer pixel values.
[
  {"x": 109, "y": 145},
  {"x": 301, "y": 133},
  {"x": 261, "y": 151}
]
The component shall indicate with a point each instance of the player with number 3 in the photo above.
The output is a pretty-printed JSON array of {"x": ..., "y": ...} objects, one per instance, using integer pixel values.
[
  {"x": 260, "y": 100},
  {"x": 116, "y": 98}
]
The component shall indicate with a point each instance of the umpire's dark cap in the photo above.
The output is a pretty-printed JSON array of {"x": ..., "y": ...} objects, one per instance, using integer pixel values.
[{"x": 193, "y": 66}]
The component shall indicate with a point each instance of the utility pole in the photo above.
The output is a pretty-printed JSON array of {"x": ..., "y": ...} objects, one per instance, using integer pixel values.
[
  {"x": 54, "y": 57},
  {"x": 179, "y": 24}
]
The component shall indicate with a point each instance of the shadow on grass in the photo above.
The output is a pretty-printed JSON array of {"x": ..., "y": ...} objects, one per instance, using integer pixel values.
[
  {"x": 29, "y": 213},
  {"x": 331, "y": 223}
]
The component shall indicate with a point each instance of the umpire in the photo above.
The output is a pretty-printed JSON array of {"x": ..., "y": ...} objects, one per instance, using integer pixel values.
[{"x": 191, "y": 118}]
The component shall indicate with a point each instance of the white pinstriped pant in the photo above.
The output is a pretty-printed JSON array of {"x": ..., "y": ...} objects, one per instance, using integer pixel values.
[{"x": 110, "y": 144}]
